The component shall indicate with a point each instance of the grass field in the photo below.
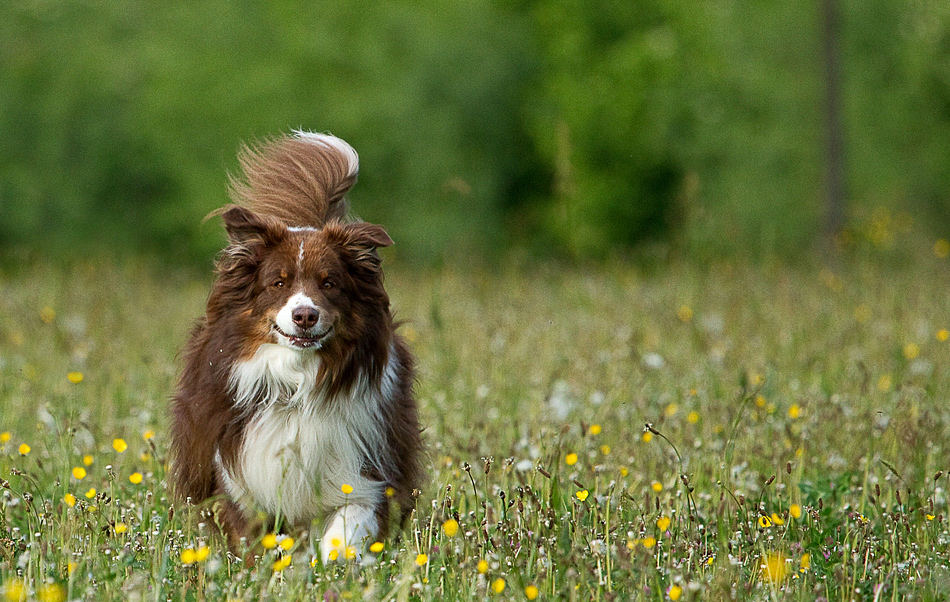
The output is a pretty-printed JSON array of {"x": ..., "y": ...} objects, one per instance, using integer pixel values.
[{"x": 798, "y": 447}]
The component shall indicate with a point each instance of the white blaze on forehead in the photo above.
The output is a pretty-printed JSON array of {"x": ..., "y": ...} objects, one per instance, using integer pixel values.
[
  {"x": 285, "y": 317},
  {"x": 329, "y": 141}
]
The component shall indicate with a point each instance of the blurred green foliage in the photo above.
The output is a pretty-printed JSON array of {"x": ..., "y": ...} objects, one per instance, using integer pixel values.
[{"x": 567, "y": 126}]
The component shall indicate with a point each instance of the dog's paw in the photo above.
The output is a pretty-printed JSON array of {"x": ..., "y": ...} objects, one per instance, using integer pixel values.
[{"x": 351, "y": 528}]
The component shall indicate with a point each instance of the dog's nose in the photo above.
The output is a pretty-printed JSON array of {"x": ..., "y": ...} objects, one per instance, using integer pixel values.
[{"x": 305, "y": 317}]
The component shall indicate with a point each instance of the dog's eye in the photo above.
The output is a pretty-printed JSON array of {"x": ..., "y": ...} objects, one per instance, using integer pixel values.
[
  {"x": 328, "y": 284},
  {"x": 279, "y": 284}
]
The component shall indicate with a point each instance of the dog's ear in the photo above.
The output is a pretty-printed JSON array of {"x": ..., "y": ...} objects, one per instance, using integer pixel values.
[
  {"x": 246, "y": 228},
  {"x": 362, "y": 240}
]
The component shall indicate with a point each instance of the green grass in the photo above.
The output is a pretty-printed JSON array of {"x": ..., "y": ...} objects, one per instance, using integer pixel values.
[{"x": 769, "y": 389}]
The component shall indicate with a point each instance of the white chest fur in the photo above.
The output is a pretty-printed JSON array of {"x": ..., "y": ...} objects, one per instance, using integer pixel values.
[{"x": 300, "y": 448}]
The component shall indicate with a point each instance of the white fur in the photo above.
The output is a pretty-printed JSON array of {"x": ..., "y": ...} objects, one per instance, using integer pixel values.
[
  {"x": 285, "y": 317},
  {"x": 300, "y": 448},
  {"x": 327, "y": 140},
  {"x": 353, "y": 525}
]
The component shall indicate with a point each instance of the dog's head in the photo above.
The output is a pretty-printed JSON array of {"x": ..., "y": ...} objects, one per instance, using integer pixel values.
[{"x": 309, "y": 289}]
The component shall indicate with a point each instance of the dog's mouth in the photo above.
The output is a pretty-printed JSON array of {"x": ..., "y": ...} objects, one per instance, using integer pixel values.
[{"x": 304, "y": 342}]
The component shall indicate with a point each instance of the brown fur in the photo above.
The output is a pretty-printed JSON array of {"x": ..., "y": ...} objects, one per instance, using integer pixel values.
[{"x": 289, "y": 182}]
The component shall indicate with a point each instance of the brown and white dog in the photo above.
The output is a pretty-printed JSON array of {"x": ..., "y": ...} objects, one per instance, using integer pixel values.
[{"x": 296, "y": 396}]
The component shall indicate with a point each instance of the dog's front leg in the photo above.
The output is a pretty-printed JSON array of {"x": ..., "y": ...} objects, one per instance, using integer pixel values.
[{"x": 348, "y": 531}]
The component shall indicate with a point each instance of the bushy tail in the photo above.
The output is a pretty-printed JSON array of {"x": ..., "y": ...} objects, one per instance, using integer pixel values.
[{"x": 300, "y": 179}]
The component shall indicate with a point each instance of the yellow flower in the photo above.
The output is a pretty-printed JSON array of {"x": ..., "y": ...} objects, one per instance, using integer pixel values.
[
  {"x": 202, "y": 553},
  {"x": 911, "y": 351},
  {"x": 450, "y": 527},
  {"x": 286, "y": 543},
  {"x": 675, "y": 592},
  {"x": 884, "y": 383},
  {"x": 692, "y": 417},
  {"x": 188, "y": 556},
  {"x": 5, "y": 436},
  {"x": 70, "y": 499},
  {"x": 377, "y": 547},
  {"x": 270, "y": 541},
  {"x": 333, "y": 555},
  {"x": 145, "y": 456},
  {"x": 684, "y": 313},
  {"x": 582, "y": 494},
  {"x": 135, "y": 478},
  {"x": 671, "y": 409},
  {"x": 765, "y": 522},
  {"x": 350, "y": 552},
  {"x": 70, "y": 568},
  {"x": 482, "y": 566},
  {"x": 390, "y": 492},
  {"x": 647, "y": 436},
  {"x": 624, "y": 471},
  {"x": 498, "y": 585},
  {"x": 51, "y": 592},
  {"x": 347, "y": 489},
  {"x": 777, "y": 520},
  {"x": 657, "y": 486},
  {"x": 931, "y": 516},
  {"x": 805, "y": 563},
  {"x": 571, "y": 459},
  {"x": 75, "y": 377},
  {"x": 760, "y": 401},
  {"x": 943, "y": 335},
  {"x": 79, "y": 473},
  {"x": 421, "y": 559},
  {"x": 773, "y": 568},
  {"x": 119, "y": 445},
  {"x": 794, "y": 411},
  {"x": 605, "y": 449},
  {"x": 531, "y": 592},
  {"x": 282, "y": 563},
  {"x": 48, "y": 314},
  {"x": 941, "y": 248},
  {"x": 148, "y": 434},
  {"x": 87, "y": 460},
  {"x": 91, "y": 493},
  {"x": 24, "y": 449},
  {"x": 121, "y": 528},
  {"x": 663, "y": 523},
  {"x": 648, "y": 542},
  {"x": 14, "y": 590},
  {"x": 795, "y": 511},
  {"x": 594, "y": 429}
]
